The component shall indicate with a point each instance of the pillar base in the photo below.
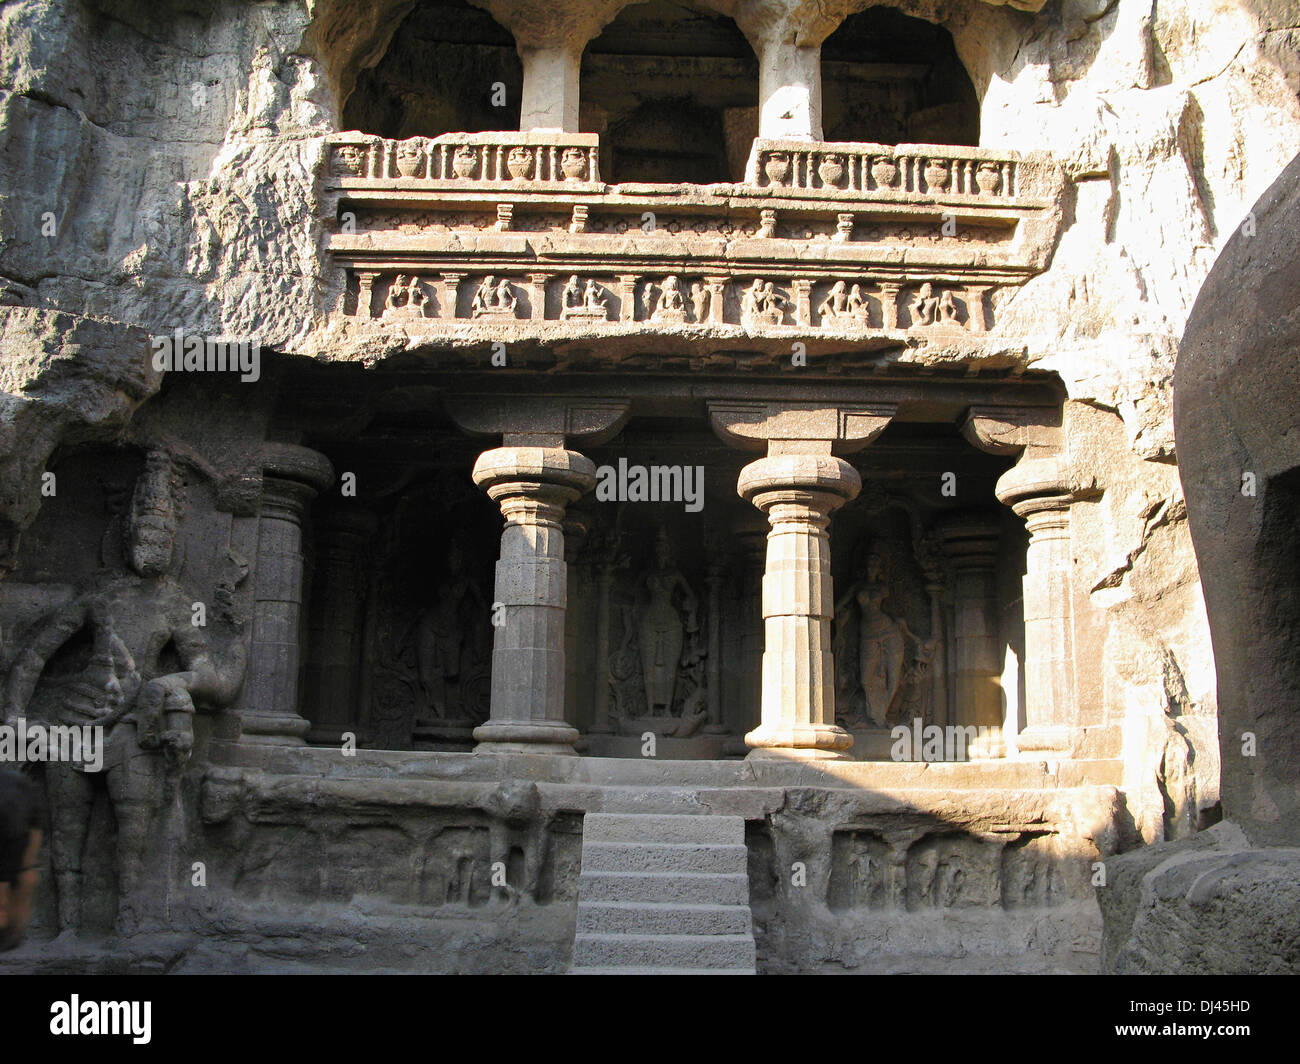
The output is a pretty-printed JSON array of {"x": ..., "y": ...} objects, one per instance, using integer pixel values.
[
  {"x": 525, "y": 738},
  {"x": 1044, "y": 738},
  {"x": 803, "y": 742},
  {"x": 263, "y": 730}
]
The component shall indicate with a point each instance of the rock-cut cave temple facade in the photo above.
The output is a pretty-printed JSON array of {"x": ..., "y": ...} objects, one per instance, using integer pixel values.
[{"x": 589, "y": 485}]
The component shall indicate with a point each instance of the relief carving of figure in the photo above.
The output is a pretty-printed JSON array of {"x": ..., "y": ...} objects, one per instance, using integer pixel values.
[
  {"x": 842, "y": 306},
  {"x": 925, "y": 306},
  {"x": 948, "y": 310},
  {"x": 406, "y": 298},
  {"x": 882, "y": 641},
  {"x": 494, "y": 298},
  {"x": 700, "y": 298},
  {"x": 662, "y": 627},
  {"x": 762, "y": 304},
  {"x": 579, "y": 301},
  {"x": 833, "y": 306},
  {"x": 670, "y": 306},
  {"x": 122, "y": 686},
  {"x": 445, "y": 637}
]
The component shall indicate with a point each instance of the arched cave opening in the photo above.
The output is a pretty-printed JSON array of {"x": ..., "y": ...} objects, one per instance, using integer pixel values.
[
  {"x": 449, "y": 67},
  {"x": 672, "y": 89},
  {"x": 888, "y": 78}
]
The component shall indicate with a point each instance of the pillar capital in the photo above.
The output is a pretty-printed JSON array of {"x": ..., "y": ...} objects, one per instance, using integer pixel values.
[
  {"x": 1027, "y": 430},
  {"x": 969, "y": 538},
  {"x": 1036, "y": 487},
  {"x": 545, "y": 476},
  {"x": 785, "y": 484},
  {"x": 292, "y": 461},
  {"x": 538, "y": 421},
  {"x": 792, "y": 427}
]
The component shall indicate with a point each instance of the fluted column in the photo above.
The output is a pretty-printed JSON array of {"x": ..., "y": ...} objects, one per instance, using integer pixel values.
[
  {"x": 269, "y": 707},
  {"x": 1038, "y": 491},
  {"x": 798, "y": 492},
  {"x": 532, "y": 485}
]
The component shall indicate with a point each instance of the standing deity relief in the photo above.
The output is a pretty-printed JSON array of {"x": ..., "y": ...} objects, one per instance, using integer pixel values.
[
  {"x": 880, "y": 663},
  {"x": 130, "y": 688},
  {"x": 657, "y": 661}
]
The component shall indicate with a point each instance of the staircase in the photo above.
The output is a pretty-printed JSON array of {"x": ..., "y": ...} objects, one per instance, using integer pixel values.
[{"x": 663, "y": 894}]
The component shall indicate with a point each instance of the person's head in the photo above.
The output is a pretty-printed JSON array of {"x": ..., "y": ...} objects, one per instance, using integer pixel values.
[{"x": 20, "y": 846}]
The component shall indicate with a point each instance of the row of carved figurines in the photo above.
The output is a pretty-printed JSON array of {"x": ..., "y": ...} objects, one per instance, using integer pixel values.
[{"x": 761, "y": 303}]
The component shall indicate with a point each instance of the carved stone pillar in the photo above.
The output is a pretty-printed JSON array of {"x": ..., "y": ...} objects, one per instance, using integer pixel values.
[
  {"x": 627, "y": 297},
  {"x": 537, "y": 295},
  {"x": 340, "y": 592},
  {"x": 532, "y": 485},
  {"x": 975, "y": 307},
  {"x": 789, "y": 88},
  {"x": 550, "y": 96},
  {"x": 798, "y": 492},
  {"x": 889, "y": 305},
  {"x": 451, "y": 293},
  {"x": 1038, "y": 491},
  {"x": 366, "y": 293},
  {"x": 1037, "y": 488},
  {"x": 601, "y": 722},
  {"x": 798, "y": 485},
  {"x": 802, "y": 290},
  {"x": 971, "y": 544},
  {"x": 717, "y": 288},
  {"x": 269, "y": 705}
]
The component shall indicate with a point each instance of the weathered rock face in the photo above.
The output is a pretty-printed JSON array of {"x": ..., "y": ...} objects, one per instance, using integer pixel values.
[
  {"x": 173, "y": 166},
  {"x": 1224, "y": 902}
]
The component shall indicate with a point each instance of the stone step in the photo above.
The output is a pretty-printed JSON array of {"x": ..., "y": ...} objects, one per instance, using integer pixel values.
[
  {"x": 663, "y": 951},
  {"x": 663, "y": 827},
  {"x": 662, "y": 918},
  {"x": 685, "y": 888},
  {"x": 612, "y": 970},
  {"x": 662, "y": 857}
]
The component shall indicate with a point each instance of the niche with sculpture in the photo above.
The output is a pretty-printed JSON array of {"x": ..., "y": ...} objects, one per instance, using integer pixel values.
[
  {"x": 887, "y": 636},
  {"x": 430, "y": 618},
  {"x": 658, "y": 642}
]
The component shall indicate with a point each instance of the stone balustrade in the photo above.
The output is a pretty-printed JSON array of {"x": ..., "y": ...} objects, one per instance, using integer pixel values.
[
  {"x": 861, "y": 171},
  {"x": 471, "y": 160}
]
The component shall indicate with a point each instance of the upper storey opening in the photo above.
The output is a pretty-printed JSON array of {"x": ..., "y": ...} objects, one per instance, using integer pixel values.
[
  {"x": 449, "y": 68},
  {"x": 672, "y": 89},
  {"x": 890, "y": 79}
]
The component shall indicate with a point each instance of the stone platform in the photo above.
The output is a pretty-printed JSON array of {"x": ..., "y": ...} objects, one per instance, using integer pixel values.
[{"x": 444, "y": 862}]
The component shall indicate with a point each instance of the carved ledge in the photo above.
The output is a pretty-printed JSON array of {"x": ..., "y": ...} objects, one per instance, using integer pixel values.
[
  {"x": 1012, "y": 430},
  {"x": 542, "y": 421},
  {"x": 783, "y": 427}
]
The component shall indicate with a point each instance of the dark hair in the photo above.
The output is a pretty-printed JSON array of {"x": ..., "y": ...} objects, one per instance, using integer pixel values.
[{"x": 20, "y": 815}]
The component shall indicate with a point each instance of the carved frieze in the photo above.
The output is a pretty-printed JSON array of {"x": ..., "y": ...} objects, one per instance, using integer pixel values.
[{"x": 838, "y": 240}]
